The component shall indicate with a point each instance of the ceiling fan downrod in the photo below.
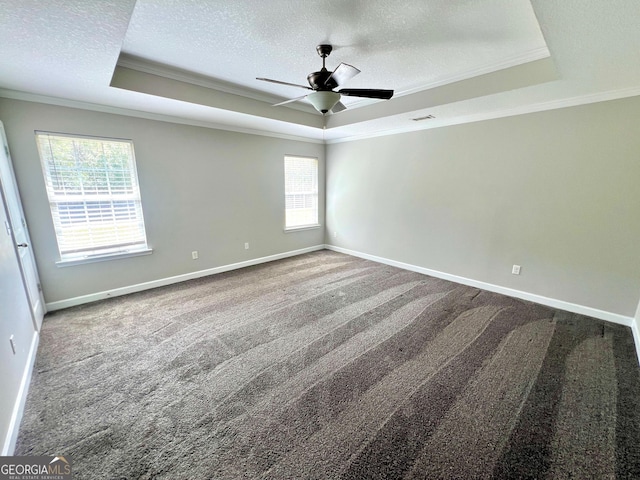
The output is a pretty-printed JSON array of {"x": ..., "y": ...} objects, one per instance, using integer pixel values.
[{"x": 318, "y": 80}]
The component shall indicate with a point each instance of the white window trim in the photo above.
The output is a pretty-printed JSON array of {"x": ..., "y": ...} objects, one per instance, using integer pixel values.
[
  {"x": 302, "y": 227},
  {"x": 137, "y": 250},
  {"x": 310, "y": 226},
  {"x": 103, "y": 257}
]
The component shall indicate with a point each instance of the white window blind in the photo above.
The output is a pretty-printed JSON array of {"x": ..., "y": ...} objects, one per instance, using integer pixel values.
[
  {"x": 93, "y": 193},
  {"x": 301, "y": 191}
]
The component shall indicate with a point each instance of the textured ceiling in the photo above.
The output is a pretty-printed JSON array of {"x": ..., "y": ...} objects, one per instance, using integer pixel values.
[
  {"x": 195, "y": 61},
  {"x": 405, "y": 48},
  {"x": 47, "y": 42}
]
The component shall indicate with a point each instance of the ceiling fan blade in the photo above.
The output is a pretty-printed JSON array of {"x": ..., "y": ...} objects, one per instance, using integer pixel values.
[
  {"x": 288, "y": 101},
  {"x": 338, "y": 107},
  {"x": 341, "y": 74},
  {"x": 284, "y": 83},
  {"x": 367, "y": 93}
]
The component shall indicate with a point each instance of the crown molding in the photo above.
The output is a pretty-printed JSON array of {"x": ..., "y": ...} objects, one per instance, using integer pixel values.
[
  {"x": 410, "y": 127},
  {"x": 63, "y": 102},
  {"x": 161, "y": 70},
  {"x": 173, "y": 73},
  {"x": 508, "y": 62},
  {"x": 508, "y": 112}
]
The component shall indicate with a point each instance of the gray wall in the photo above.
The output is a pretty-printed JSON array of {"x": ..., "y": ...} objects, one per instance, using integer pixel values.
[
  {"x": 202, "y": 189},
  {"x": 556, "y": 192}
]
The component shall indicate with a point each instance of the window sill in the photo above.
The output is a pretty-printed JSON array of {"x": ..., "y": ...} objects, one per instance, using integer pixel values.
[
  {"x": 302, "y": 227},
  {"x": 103, "y": 258}
]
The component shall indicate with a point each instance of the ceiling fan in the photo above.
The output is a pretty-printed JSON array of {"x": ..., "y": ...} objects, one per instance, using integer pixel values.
[{"x": 322, "y": 83}]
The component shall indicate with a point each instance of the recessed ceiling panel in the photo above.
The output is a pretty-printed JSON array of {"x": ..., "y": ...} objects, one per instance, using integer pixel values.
[
  {"x": 405, "y": 46},
  {"x": 195, "y": 61}
]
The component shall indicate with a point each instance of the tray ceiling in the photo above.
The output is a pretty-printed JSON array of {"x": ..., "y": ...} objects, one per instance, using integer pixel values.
[{"x": 197, "y": 61}]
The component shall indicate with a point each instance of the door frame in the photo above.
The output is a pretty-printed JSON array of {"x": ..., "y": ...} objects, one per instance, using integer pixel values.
[{"x": 9, "y": 189}]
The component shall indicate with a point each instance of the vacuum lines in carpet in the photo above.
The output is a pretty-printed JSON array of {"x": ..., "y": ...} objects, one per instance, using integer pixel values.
[{"x": 327, "y": 366}]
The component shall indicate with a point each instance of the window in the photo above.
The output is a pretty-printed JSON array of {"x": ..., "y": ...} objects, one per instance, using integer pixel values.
[
  {"x": 301, "y": 192},
  {"x": 93, "y": 194}
]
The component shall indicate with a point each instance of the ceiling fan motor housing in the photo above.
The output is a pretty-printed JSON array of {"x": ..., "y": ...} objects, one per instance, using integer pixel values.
[{"x": 318, "y": 80}]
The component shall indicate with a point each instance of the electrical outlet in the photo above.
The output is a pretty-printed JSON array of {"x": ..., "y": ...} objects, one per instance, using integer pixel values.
[
  {"x": 246, "y": 246},
  {"x": 194, "y": 255},
  {"x": 13, "y": 344},
  {"x": 335, "y": 234},
  {"x": 516, "y": 270}
]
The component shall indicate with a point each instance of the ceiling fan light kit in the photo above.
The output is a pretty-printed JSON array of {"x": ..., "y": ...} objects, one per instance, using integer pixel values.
[
  {"x": 322, "y": 83},
  {"x": 323, "y": 101}
]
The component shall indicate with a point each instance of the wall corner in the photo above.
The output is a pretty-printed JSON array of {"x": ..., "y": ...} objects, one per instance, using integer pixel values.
[{"x": 635, "y": 329}]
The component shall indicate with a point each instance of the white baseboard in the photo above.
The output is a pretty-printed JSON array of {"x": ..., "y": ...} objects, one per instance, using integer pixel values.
[
  {"x": 9, "y": 443},
  {"x": 550, "y": 302},
  {"x": 636, "y": 337},
  {"x": 70, "y": 302}
]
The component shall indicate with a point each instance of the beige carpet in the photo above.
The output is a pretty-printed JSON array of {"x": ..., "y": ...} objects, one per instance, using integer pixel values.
[{"x": 326, "y": 366}]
